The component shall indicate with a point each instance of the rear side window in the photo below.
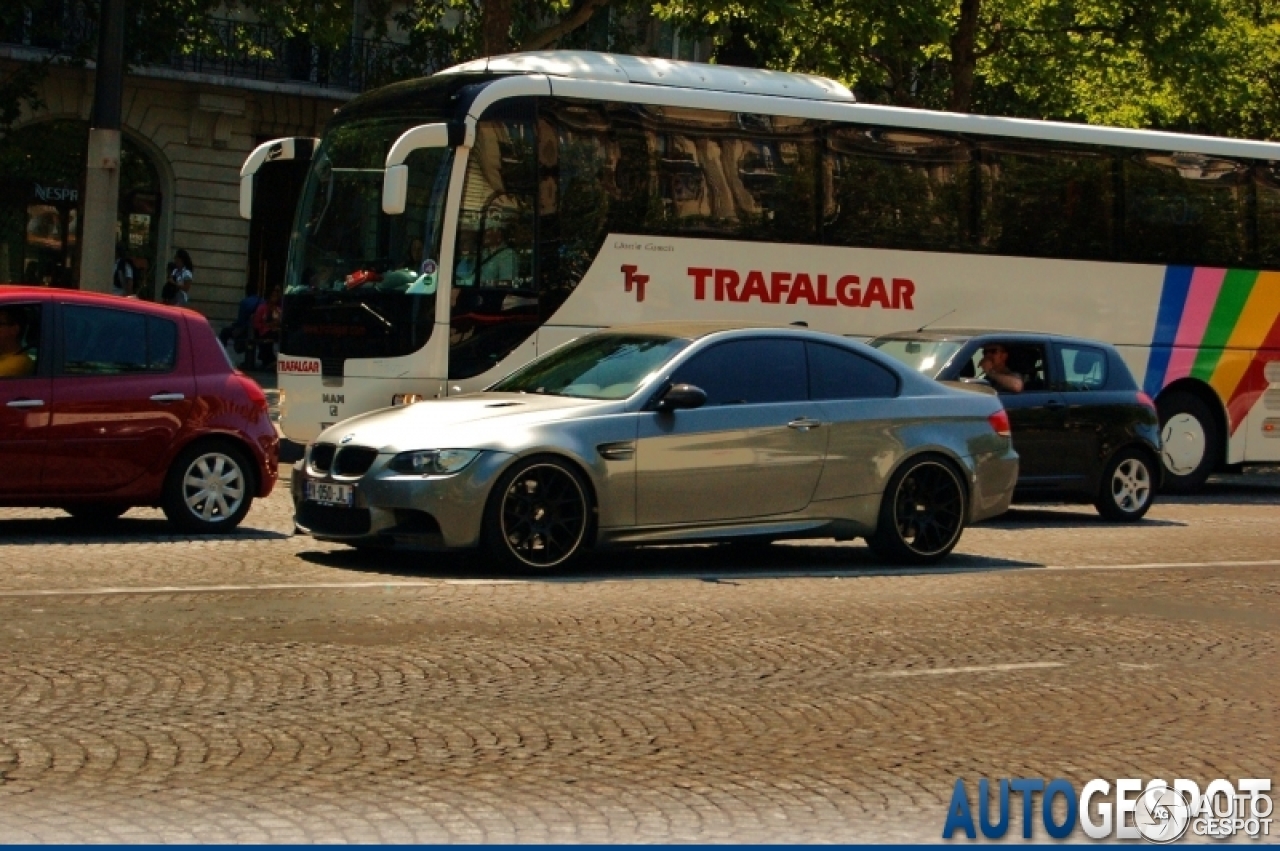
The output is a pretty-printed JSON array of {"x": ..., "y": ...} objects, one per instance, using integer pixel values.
[
  {"x": 103, "y": 341},
  {"x": 836, "y": 373},
  {"x": 748, "y": 372},
  {"x": 1082, "y": 367}
]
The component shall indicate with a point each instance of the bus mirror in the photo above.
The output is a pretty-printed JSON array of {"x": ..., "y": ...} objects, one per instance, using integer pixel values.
[
  {"x": 288, "y": 148},
  {"x": 395, "y": 189},
  {"x": 395, "y": 181}
]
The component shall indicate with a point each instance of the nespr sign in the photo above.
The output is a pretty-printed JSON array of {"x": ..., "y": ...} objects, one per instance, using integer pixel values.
[{"x": 1127, "y": 809}]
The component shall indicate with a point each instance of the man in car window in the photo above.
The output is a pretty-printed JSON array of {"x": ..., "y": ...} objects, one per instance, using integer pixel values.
[
  {"x": 14, "y": 362},
  {"x": 995, "y": 368}
]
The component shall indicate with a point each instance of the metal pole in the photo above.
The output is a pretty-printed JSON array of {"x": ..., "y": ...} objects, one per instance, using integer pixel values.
[{"x": 102, "y": 168}]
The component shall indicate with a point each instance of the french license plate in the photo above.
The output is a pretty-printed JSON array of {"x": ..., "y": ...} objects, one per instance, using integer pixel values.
[{"x": 327, "y": 493}]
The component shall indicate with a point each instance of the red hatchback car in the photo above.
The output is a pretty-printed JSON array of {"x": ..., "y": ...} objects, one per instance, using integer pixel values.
[{"x": 108, "y": 403}]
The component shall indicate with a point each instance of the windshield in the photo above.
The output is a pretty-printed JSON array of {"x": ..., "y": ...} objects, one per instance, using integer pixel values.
[
  {"x": 601, "y": 366},
  {"x": 361, "y": 283},
  {"x": 924, "y": 356}
]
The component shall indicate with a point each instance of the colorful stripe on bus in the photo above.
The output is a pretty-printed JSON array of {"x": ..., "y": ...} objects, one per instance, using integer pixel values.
[{"x": 1220, "y": 326}]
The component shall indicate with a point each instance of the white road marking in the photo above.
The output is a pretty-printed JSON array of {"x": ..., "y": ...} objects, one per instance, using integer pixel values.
[
  {"x": 850, "y": 573},
  {"x": 968, "y": 669}
]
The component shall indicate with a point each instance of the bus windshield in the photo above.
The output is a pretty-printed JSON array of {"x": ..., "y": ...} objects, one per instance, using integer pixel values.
[
  {"x": 361, "y": 283},
  {"x": 601, "y": 366}
]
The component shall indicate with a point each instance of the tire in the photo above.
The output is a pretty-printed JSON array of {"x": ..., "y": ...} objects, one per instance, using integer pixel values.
[
  {"x": 1128, "y": 486},
  {"x": 96, "y": 513},
  {"x": 209, "y": 489},
  {"x": 922, "y": 512},
  {"x": 539, "y": 516},
  {"x": 1190, "y": 442}
]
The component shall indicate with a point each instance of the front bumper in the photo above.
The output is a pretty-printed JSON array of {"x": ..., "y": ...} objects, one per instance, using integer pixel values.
[{"x": 432, "y": 512}]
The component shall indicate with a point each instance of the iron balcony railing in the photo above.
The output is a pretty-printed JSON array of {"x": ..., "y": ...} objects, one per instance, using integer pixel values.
[{"x": 224, "y": 47}]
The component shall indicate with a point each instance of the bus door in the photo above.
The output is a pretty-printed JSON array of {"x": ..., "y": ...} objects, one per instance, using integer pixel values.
[{"x": 493, "y": 310}]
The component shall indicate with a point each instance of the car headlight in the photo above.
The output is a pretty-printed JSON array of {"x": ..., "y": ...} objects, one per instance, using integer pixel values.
[{"x": 432, "y": 462}]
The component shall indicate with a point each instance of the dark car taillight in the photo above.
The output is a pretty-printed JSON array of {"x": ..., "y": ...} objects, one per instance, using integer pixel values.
[
  {"x": 1145, "y": 400},
  {"x": 253, "y": 391},
  {"x": 1000, "y": 423}
]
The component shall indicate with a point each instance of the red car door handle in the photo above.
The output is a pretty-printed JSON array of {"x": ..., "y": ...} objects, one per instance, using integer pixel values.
[
  {"x": 168, "y": 397},
  {"x": 27, "y": 403}
]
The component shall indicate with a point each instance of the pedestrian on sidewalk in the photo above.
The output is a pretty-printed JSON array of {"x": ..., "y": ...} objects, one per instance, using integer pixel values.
[{"x": 181, "y": 275}]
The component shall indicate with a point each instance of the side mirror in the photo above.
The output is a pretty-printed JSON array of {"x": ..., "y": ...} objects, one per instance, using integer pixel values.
[
  {"x": 289, "y": 148},
  {"x": 395, "y": 180},
  {"x": 682, "y": 396}
]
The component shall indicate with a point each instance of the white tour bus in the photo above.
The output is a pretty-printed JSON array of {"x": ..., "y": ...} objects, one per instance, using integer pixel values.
[{"x": 453, "y": 227}]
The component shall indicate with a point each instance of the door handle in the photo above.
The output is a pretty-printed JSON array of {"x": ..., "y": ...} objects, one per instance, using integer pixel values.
[
  {"x": 168, "y": 397},
  {"x": 803, "y": 424},
  {"x": 1055, "y": 405},
  {"x": 26, "y": 403}
]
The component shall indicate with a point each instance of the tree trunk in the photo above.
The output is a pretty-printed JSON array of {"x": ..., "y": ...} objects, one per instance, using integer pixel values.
[
  {"x": 495, "y": 26},
  {"x": 576, "y": 17},
  {"x": 964, "y": 57}
]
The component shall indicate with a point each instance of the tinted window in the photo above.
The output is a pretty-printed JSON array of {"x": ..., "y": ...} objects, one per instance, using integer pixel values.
[
  {"x": 19, "y": 340},
  {"x": 1082, "y": 367},
  {"x": 748, "y": 372},
  {"x": 836, "y": 373},
  {"x": 890, "y": 188},
  {"x": 737, "y": 175},
  {"x": 102, "y": 341},
  {"x": 1046, "y": 202},
  {"x": 1185, "y": 208}
]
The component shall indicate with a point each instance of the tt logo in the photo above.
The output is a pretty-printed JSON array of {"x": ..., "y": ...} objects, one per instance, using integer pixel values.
[{"x": 632, "y": 280}]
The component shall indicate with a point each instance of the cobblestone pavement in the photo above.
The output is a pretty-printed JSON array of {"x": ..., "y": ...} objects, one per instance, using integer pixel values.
[{"x": 266, "y": 688}]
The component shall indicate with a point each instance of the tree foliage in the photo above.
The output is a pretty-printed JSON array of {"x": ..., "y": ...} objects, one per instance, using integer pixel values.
[{"x": 1210, "y": 66}]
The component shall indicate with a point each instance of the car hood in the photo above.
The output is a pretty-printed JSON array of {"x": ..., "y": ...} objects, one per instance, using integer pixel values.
[{"x": 476, "y": 421}]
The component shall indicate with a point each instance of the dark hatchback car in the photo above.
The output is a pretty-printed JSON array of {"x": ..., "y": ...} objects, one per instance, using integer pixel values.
[
  {"x": 1083, "y": 429},
  {"x": 108, "y": 403}
]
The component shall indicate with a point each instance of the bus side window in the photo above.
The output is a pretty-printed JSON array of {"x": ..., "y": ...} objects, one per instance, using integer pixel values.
[{"x": 892, "y": 188}]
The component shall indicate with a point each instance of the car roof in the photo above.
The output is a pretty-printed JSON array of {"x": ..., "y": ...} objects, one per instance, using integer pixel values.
[
  {"x": 689, "y": 330},
  {"x": 8, "y": 293},
  {"x": 966, "y": 334}
]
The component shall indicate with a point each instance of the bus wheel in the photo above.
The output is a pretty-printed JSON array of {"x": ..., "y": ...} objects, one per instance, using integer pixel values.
[
  {"x": 538, "y": 516},
  {"x": 1190, "y": 444},
  {"x": 922, "y": 513}
]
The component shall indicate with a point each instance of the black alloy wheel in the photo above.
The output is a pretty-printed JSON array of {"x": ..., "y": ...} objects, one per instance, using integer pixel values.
[
  {"x": 922, "y": 513},
  {"x": 539, "y": 516}
]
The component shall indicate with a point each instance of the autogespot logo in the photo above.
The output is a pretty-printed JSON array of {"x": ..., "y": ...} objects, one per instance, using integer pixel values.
[{"x": 1157, "y": 812}]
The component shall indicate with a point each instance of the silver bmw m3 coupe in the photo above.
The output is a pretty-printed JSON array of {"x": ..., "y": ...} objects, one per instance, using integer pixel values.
[{"x": 658, "y": 434}]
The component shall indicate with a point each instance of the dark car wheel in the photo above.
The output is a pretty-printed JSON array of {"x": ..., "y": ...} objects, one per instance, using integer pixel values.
[
  {"x": 96, "y": 513},
  {"x": 209, "y": 489},
  {"x": 1128, "y": 486},
  {"x": 1190, "y": 442},
  {"x": 922, "y": 513},
  {"x": 538, "y": 516}
]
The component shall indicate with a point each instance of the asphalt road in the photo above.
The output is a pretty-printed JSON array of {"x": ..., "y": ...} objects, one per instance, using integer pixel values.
[{"x": 266, "y": 688}]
